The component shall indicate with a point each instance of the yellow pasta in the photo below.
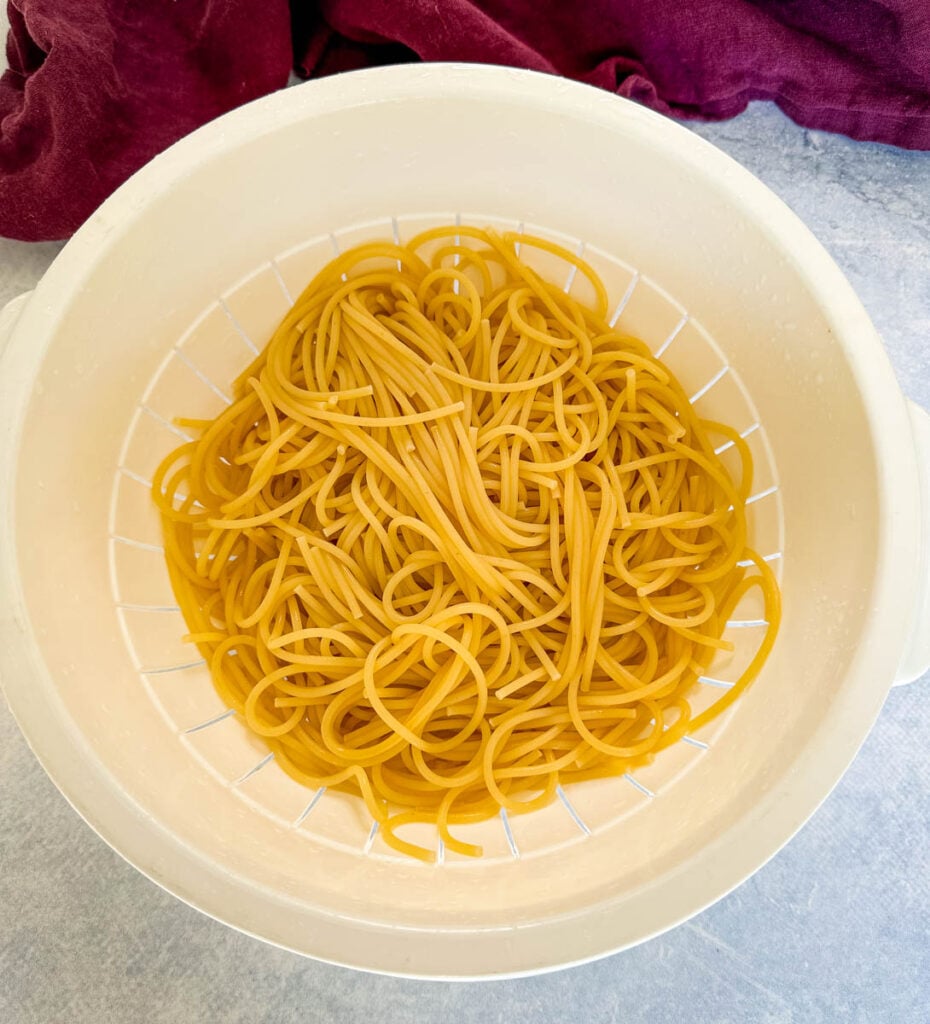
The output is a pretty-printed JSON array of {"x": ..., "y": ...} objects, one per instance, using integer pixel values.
[{"x": 456, "y": 541}]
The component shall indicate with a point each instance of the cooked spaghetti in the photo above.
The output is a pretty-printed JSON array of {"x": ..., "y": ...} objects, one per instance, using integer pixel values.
[{"x": 456, "y": 540}]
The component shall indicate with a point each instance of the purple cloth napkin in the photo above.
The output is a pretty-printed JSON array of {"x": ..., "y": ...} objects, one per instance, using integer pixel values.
[{"x": 97, "y": 87}]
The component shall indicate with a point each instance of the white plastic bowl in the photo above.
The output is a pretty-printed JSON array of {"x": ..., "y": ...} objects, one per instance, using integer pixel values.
[{"x": 151, "y": 309}]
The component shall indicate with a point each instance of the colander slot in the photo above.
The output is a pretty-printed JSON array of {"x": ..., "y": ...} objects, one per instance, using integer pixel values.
[
  {"x": 133, "y": 475},
  {"x": 744, "y": 434},
  {"x": 707, "y": 690},
  {"x": 624, "y": 299},
  {"x": 598, "y": 804},
  {"x": 508, "y": 835},
  {"x": 302, "y": 817},
  {"x": 637, "y": 785},
  {"x": 674, "y": 333},
  {"x": 763, "y": 517},
  {"x": 229, "y": 752},
  {"x": 139, "y": 579},
  {"x": 692, "y": 356},
  {"x": 237, "y": 327},
  {"x": 650, "y": 781},
  {"x": 183, "y": 694},
  {"x": 299, "y": 265},
  {"x": 726, "y": 402},
  {"x": 744, "y": 631},
  {"x": 178, "y": 390},
  {"x": 282, "y": 284},
  {"x": 551, "y": 267},
  {"x": 216, "y": 719},
  {"x": 141, "y": 544},
  {"x": 370, "y": 841},
  {"x": 272, "y": 792},
  {"x": 573, "y": 814},
  {"x": 702, "y": 391},
  {"x": 720, "y": 684},
  {"x": 173, "y": 427},
  {"x": 651, "y": 315},
  {"x": 134, "y": 523},
  {"x": 693, "y": 742},
  {"x": 254, "y": 770},
  {"x": 337, "y": 251},
  {"x": 773, "y": 557},
  {"x": 166, "y": 669},
  {"x": 215, "y": 388},
  {"x": 759, "y": 495},
  {"x": 157, "y": 638},
  {"x": 188, "y": 700},
  {"x": 409, "y": 225},
  {"x": 129, "y": 606},
  {"x": 456, "y": 259},
  {"x": 149, "y": 441},
  {"x": 256, "y": 305},
  {"x": 395, "y": 237},
  {"x": 573, "y": 271},
  {"x": 579, "y": 810},
  {"x": 340, "y": 820}
]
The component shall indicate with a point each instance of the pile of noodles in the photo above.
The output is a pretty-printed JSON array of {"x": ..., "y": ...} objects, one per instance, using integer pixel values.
[{"x": 456, "y": 540}]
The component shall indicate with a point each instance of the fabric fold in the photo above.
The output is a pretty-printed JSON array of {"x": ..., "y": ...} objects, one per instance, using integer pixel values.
[{"x": 95, "y": 88}]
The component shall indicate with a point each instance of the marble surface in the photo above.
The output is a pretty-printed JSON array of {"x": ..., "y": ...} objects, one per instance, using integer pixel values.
[{"x": 835, "y": 928}]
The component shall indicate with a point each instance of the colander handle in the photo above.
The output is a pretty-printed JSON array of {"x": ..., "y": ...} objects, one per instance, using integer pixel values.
[
  {"x": 916, "y": 658},
  {"x": 9, "y": 315}
]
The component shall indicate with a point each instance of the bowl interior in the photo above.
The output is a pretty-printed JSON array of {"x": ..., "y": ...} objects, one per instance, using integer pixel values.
[
  {"x": 191, "y": 381},
  {"x": 158, "y": 306}
]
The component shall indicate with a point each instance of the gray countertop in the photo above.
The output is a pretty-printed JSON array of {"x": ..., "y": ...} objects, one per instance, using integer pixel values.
[{"x": 835, "y": 928}]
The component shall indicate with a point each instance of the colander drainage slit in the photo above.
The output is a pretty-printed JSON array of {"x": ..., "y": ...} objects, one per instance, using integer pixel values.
[
  {"x": 395, "y": 234},
  {"x": 636, "y": 784},
  {"x": 515, "y": 853},
  {"x": 762, "y": 494},
  {"x": 570, "y": 280},
  {"x": 276, "y": 270},
  {"x": 745, "y": 623},
  {"x": 337, "y": 249},
  {"x": 518, "y": 245},
  {"x": 676, "y": 330},
  {"x": 135, "y": 476},
  {"x": 317, "y": 796},
  {"x": 157, "y": 416},
  {"x": 131, "y": 543},
  {"x": 369, "y": 842},
  {"x": 172, "y": 668},
  {"x": 130, "y": 607},
  {"x": 202, "y": 376},
  {"x": 440, "y": 852},
  {"x": 253, "y": 770},
  {"x": 692, "y": 742},
  {"x": 721, "y": 684},
  {"x": 727, "y": 445},
  {"x": 717, "y": 377},
  {"x": 573, "y": 814},
  {"x": 625, "y": 298},
  {"x": 215, "y": 720},
  {"x": 239, "y": 329},
  {"x": 746, "y": 562},
  {"x": 456, "y": 259}
]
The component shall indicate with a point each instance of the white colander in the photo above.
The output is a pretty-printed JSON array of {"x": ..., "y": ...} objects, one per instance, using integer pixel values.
[{"x": 168, "y": 291}]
